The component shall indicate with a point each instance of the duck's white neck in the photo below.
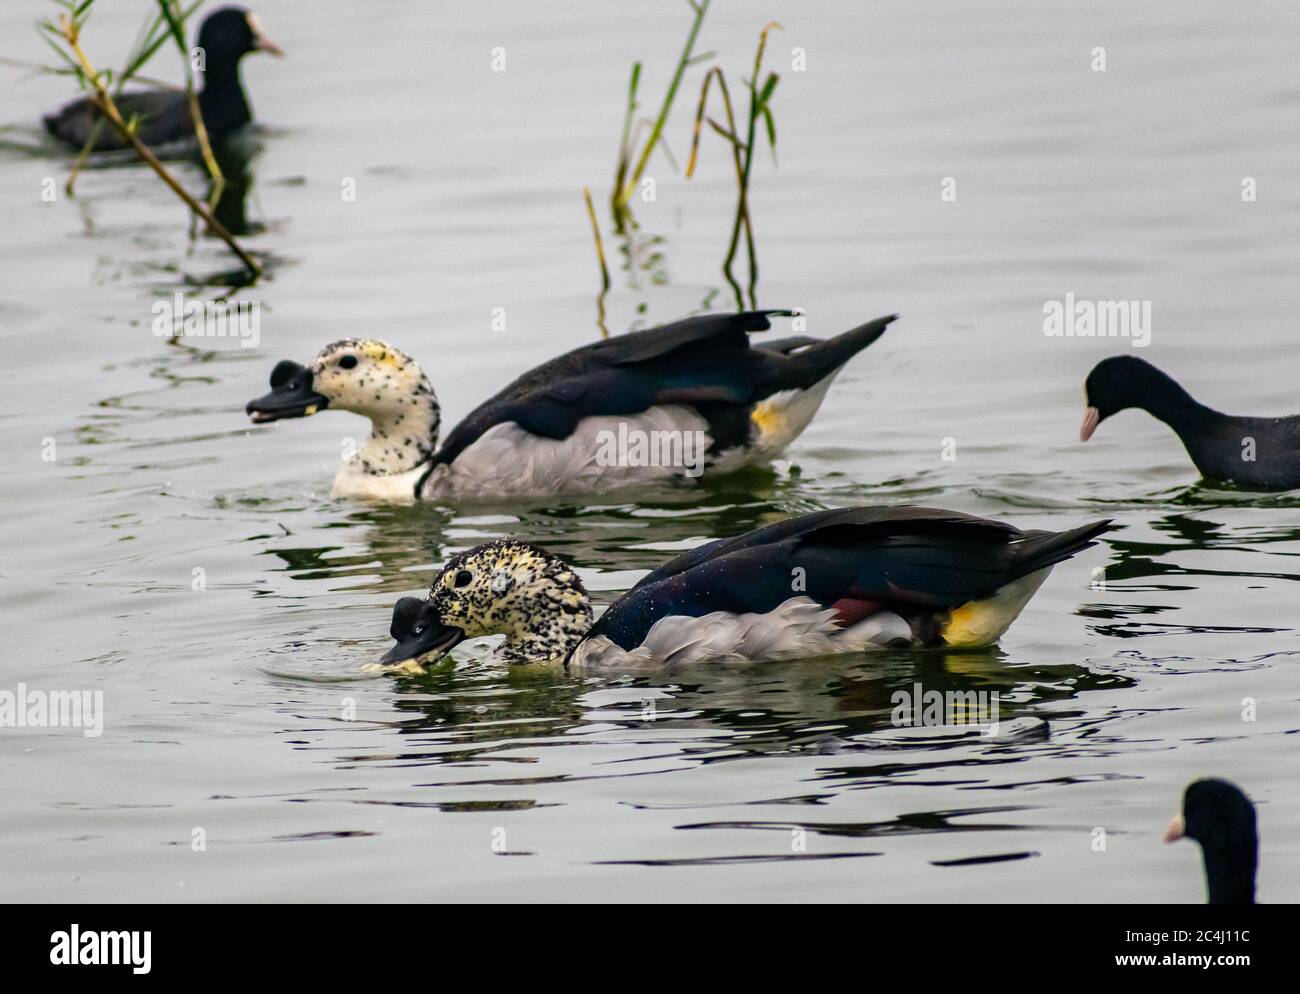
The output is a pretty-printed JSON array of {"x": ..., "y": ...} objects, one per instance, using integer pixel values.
[
  {"x": 401, "y": 439},
  {"x": 396, "y": 455}
]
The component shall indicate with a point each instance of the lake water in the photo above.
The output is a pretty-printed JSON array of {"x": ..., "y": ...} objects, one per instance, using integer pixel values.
[{"x": 226, "y": 707}]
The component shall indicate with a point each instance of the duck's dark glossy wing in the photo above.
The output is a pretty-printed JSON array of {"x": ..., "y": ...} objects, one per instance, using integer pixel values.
[
  {"x": 855, "y": 560},
  {"x": 704, "y": 361},
  {"x": 720, "y": 331},
  {"x": 163, "y": 116},
  {"x": 624, "y": 375},
  {"x": 861, "y": 523}
]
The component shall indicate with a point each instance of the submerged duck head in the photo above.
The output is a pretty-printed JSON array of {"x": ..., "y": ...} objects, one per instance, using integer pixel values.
[
  {"x": 367, "y": 377},
  {"x": 1221, "y": 818},
  {"x": 505, "y": 588},
  {"x": 1123, "y": 381}
]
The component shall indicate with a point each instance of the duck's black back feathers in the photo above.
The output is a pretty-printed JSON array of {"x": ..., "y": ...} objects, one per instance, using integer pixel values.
[
  {"x": 705, "y": 361},
  {"x": 908, "y": 560}
]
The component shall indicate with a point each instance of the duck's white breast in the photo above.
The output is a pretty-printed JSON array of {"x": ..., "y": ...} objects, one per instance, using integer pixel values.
[{"x": 352, "y": 481}]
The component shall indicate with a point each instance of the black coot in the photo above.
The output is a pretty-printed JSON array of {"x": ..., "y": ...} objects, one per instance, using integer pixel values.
[
  {"x": 1263, "y": 453},
  {"x": 225, "y": 36}
]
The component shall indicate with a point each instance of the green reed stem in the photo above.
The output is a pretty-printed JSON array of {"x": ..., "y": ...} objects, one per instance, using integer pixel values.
[{"x": 625, "y": 185}]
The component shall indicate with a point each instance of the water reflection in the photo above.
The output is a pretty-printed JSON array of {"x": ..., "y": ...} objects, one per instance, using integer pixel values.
[
  {"x": 721, "y": 713},
  {"x": 394, "y": 539},
  {"x": 228, "y": 197}
]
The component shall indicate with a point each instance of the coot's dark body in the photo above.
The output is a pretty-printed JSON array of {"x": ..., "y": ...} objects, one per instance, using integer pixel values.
[{"x": 163, "y": 117}]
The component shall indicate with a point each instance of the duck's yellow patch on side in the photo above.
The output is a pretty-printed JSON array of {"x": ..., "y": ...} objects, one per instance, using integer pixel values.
[
  {"x": 983, "y": 622},
  {"x": 779, "y": 419},
  {"x": 771, "y": 420},
  {"x": 975, "y": 623}
]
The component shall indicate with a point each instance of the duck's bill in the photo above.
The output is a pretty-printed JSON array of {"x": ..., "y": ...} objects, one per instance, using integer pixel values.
[
  {"x": 261, "y": 42},
  {"x": 291, "y": 395},
  {"x": 1175, "y": 830},
  {"x": 1091, "y": 418},
  {"x": 424, "y": 648},
  {"x": 419, "y": 633}
]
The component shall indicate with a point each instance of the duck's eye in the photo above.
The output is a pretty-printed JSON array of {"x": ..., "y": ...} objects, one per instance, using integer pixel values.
[
  {"x": 347, "y": 362},
  {"x": 417, "y": 630},
  {"x": 463, "y": 577}
]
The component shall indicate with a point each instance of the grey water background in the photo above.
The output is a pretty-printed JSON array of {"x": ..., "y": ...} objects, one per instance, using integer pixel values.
[{"x": 225, "y": 707}]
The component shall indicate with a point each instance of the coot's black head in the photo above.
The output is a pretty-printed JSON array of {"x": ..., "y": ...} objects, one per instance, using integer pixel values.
[
  {"x": 228, "y": 34},
  {"x": 1221, "y": 818},
  {"x": 1118, "y": 383}
]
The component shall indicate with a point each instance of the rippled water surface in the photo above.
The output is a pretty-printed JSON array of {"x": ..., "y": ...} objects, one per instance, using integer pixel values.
[{"x": 226, "y": 707}]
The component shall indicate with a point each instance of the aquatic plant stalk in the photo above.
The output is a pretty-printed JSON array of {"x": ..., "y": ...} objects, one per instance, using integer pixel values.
[
  {"x": 148, "y": 41},
  {"x": 730, "y": 134},
  {"x": 742, "y": 156},
  {"x": 624, "y": 183},
  {"x": 82, "y": 156},
  {"x": 600, "y": 245},
  {"x": 175, "y": 24},
  {"x": 600, "y": 256},
  {"x": 758, "y": 105},
  {"x": 102, "y": 100}
]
